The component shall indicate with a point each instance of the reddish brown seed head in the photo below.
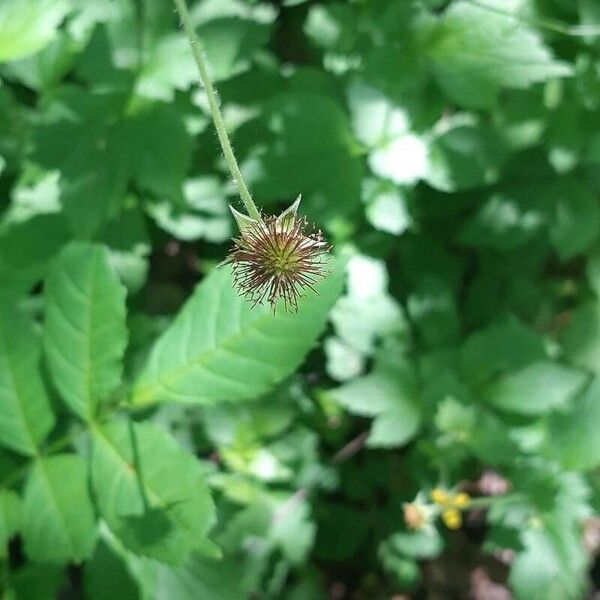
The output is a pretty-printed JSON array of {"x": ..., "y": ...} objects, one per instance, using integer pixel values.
[{"x": 278, "y": 258}]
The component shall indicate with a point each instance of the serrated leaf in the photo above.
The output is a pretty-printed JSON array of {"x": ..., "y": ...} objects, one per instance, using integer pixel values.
[
  {"x": 84, "y": 331},
  {"x": 553, "y": 562},
  {"x": 25, "y": 413},
  {"x": 26, "y": 26},
  {"x": 220, "y": 348},
  {"x": 58, "y": 516},
  {"x": 151, "y": 493},
  {"x": 539, "y": 387},
  {"x": 99, "y": 149},
  {"x": 228, "y": 43},
  {"x": 476, "y": 51},
  {"x": 388, "y": 394}
]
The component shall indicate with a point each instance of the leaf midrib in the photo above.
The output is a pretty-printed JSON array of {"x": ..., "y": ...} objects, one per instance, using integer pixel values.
[
  {"x": 146, "y": 392},
  {"x": 137, "y": 475}
]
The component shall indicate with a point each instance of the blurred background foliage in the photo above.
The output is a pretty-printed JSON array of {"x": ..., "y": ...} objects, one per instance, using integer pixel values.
[{"x": 451, "y": 151}]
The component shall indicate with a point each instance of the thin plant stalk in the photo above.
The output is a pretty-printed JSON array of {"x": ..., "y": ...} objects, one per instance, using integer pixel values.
[{"x": 215, "y": 111}]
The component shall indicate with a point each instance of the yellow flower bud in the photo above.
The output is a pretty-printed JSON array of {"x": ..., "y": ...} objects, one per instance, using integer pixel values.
[
  {"x": 461, "y": 500},
  {"x": 439, "y": 496},
  {"x": 452, "y": 518}
]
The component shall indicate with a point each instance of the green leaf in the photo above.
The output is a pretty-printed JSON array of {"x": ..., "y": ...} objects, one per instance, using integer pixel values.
[
  {"x": 128, "y": 244},
  {"x": 395, "y": 427},
  {"x": 576, "y": 224},
  {"x": 474, "y": 52},
  {"x": 31, "y": 198},
  {"x": 106, "y": 577},
  {"x": 37, "y": 581},
  {"x": 304, "y": 144},
  {"x": 572, "y": 437},
  {"x": 10, "y": 518},
  {"x": 341, "y": 531},
  {"x": 220, "y": 348},
  {"x": 44, "y": 69},
  {"x": 367, "y": 312},
  {"x": 26, "y": 249},
  {"x": 228, "y": 42},
  {"x": 58, "y": 516},
  {"x": 466, "y": 155},
  {"x": 204, "y": 215},
  {"x": 426, "y": 543},
  {"x": 386, "y": 208},
  {"x": 26, "y": 26},
  {"x": 157, "y": 149},
  {"x": 539, "y": 387},
  {"x": 503, "y": 346},
  {"x": 99, "y": 150},
  {"x": 84, "y": 332},
  {"x": 581, "y": 337},
  {"x": 592, "y": 271},
  {"x": 25, "y": 413},
  {"x": 151, "y": 493},
  {"x": 553, "y": 563},
  {"x": 510, "y": 217},
  {"x": 197, "y": 578},
  {"x": 388, "y": 394},
  {"x": 431, "y": 307},
  {"x": 374, "y": 117}
]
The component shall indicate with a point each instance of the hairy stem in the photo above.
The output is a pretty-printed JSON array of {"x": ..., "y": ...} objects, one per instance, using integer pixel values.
[{"x": 215, "y": 111}]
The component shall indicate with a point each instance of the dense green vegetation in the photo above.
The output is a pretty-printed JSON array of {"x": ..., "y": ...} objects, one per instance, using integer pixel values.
[{"x": 426, "y": 427}]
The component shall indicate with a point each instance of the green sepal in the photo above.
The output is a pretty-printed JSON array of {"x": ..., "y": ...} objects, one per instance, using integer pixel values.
[
  {"x": 288, "y": 217},
  {"x": 243, "y": 221}
]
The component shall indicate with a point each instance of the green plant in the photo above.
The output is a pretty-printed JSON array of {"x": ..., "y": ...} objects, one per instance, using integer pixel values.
[{"x": 430, "y": 415}]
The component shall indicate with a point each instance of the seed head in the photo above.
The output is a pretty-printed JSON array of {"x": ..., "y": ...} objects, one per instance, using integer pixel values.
[{"x": 277, "y": 257}]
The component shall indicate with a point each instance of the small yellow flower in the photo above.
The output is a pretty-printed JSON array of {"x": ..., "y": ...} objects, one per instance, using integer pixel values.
[
  {"x": 451, "y": 504},
  {"x": 439, "y": 496},
  {"x": 452, "y": 518},
  {"x": 461, "y": 500}
]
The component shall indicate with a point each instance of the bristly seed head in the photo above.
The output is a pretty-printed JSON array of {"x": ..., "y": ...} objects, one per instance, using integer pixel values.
[{"x": 278, "y": 257}]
